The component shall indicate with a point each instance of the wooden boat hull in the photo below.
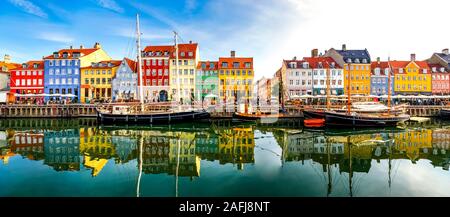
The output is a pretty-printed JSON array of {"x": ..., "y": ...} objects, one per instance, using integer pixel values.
[
  {"x": 313, "y": 113},
  {"x": 157, "y": 118},
  {"x": 445, "y": 113},
  {"x": 334, "y": 119},
  {"x": 253, "y": 117}
]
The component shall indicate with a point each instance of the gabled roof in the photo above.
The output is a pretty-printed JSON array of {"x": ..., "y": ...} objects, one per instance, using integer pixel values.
[
  {"x": 354, "y": 55},
  {"x": 396, "y": 65},
  {"x": 296, "y": 66},
  {"x": 30, "y": 65},
  {"x": 104, "y": 64},
  {"x": 182, "y": 49},
  {"x": 321, "y": 62},
  {"x": 153, "y": 50},
  {"x": 231, "y": 60},
  {"x": 186, "y": 48},
  {"x": 70, "y": 52},
  {"x": 132, "y": 64},
  {"x": 208, "y": 65},
  {"x": 9, "y": 66},
  {"x": 382, "y": 65},
  {"x": 445, "y": 57}
]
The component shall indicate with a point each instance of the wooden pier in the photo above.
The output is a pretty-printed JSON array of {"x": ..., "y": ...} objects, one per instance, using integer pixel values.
[{"x": 89, "y": 110}]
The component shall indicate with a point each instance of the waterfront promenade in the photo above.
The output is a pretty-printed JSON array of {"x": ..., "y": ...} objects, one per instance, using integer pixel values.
[{"x": 217, "y": 112}]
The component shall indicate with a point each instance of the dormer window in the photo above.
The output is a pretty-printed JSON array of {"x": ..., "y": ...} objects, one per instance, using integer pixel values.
[
  {"x": 183, "y": 54},
  {"x": 248, "y": 65},
  {"x": 203, "y": 65},
  {"x": 35, "y": 65},
  {"x": 386, "y": 71},
  {"x": 377, "y": 71},
  {"x": 24, "y": 66},
  {"x": 225, "y": 65},
  {"x": 320, "y": 65},
  {"x": 109, "y": 64},
  {"x": 356, "y": 60},
  {"x": 433, "y": 69},
  {"x": 442, "y": 69},
  {"x": 333, "y": 64},
  {"x": 349, "y": 60},
  {"x": 424, "y": 71},
  {"x": 76, "y": 54},
  {"x": 364, "y": 60},
  {"x": 400, "y": 70},
  {"x": 211, "y": 65},
  {"x": 65, "y": 55},
  {"x": 305, "y": 65},
  {"x": 55, "y": 55},
  {"x": 191, "y": 54},
  {"x": 166, "y": 53},
  {"x": 236, "y": 65}
]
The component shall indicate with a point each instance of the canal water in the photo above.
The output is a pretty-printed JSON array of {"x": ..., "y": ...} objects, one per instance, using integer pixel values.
[{"x": 42, "y": 157}]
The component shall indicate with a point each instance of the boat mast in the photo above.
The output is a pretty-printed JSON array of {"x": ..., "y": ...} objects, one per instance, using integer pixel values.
[
  {"x": 389, "y": 86},
  {"x": 329, "y": 169},
  {"x": 350, "y": 173},
  {"x": 349, "y": 98},
  {"x": 141, "y": 92},
  {"x": 328, "y": 88},
  {"x": 176, "y": 68},
  {"x": 281, "y": 90}
]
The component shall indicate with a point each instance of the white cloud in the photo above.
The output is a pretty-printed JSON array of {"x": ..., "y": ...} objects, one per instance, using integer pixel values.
[
  {"x": 55, "y": 37},
  {"x": 29, "y": 7},
  {"x": 111, "y": 5}
]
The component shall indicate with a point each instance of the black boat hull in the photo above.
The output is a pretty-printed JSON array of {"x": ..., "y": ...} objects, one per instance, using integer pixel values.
[
  {"x": 316, "y": 114},
  {"x": 161, "y": 118},
  {"x": 445, "y": 113},
  {"x": 344, "y": 120}
]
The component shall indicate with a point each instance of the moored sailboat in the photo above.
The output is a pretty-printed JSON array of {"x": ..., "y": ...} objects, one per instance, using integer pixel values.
[
  {"x": 132, "y": 114},
  {"x": 358, "y": 119}
]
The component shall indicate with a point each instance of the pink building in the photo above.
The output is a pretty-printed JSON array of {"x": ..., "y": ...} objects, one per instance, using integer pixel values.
[{"x": 440, "y": 79}]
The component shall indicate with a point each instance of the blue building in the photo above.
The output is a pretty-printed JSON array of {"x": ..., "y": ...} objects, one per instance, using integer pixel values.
[
  {"x": 62, "y": 149},
  {"x": 124, "y": 84},
  {"x": 379, "y": 80},
  {"x": 62, "y": 72}
]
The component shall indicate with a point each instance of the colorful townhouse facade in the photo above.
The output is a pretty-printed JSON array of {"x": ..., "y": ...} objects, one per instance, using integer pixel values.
[
  {"x": 296, "y": 77},
  {"x": 124, "y": 83},
  {"x": 207, "y": 81},
  {"x": 155, "y": 72},
  {"x": 320, "y": 67},
  {"x": 236, "y": 78},
  {"x": 184, "y": 79},
  {"x": 5, "y": 67},
  {"x": 379, "y": 80},
  {"x": 440, "y": 79},
  {"x": 62, "y": 71},
  {"x": 412, "y": 77},
  {"x": 96, "y": 81},
  {"x": 356, "y": 64},
  {"x": 27, "y": 82},
  {"x": 264, "y": 91}
]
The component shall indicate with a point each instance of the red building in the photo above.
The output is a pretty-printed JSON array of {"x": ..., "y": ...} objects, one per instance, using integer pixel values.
[
  {"x": 155, "y": 69},
  {"x": 440, "y": 80},
  {"x": 27, "y": 82}
]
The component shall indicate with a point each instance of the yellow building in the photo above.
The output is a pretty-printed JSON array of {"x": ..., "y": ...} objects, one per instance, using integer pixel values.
[
  {"x": 188, "y": 162},
  {"x": 237, "y": 146},
  {"x": 96, "y": 80},
  {"x": 357, "y": 64},
  {"x": 97, "y": 148},
  {"x": 235, "y": 79},
  {"x": 412, "y": 142},
  {"x": 412, "y": 77},
  {"x": 188, "y": 57}
]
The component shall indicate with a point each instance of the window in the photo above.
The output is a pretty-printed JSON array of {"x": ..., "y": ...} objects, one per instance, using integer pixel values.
[
  {"x": 75, "y": 81},
  {"x": 160, "y": 72},
  {"x": 191, "y": 53},
  {"x": 166, "y": 72},
  {"x": 50, "y": 72},
  {"x": 86, "y": 81},
  {"x": 50, "y": 62},
  {"x": 160, "y": 62},
  {"x": 75, "y": 71},
  {"x": 57, "y": 81},
  {"x": 225, "y": 65},
  {"x": 18, "y": 82},
  {"x": 92, "y": 81},
  {"x": 63, "y": 81},
  {"x": 50, "y": 81},
  {"x": 39, "y": 82}
]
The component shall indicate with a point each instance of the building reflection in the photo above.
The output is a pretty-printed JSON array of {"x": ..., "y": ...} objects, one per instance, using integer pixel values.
[
  {"x": 96, "y": 147},
  {"x": 28, "y": 144},
  {"x": 61, "y": 149},
  {"x": 125, "y": 144}
]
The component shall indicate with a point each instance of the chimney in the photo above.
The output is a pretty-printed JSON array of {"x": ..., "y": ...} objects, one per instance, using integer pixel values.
[
  {"x": 445, "y": 51},
  {"x": 71, "y": 47},
  {"x": 7, "y": 58},
  {"x": 233, "y": 53},
  {"x": 190, "y": 42},
  {"x": 97, "y": 45},
  {"x": 413, "y": 57},
  {"x": 314, "y": 52},
  {"x": 378, "y": 60},
  {"x": 295, "y": 58},
  {"x": 81, "y": 47},
  {"x": 344, "y": 47}
]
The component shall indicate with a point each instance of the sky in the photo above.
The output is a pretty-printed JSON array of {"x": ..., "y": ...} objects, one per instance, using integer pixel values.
[{"x": 268, "y": 30}]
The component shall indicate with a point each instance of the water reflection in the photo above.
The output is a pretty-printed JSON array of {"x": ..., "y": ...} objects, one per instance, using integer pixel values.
[{"x": 180, "y": 152}]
